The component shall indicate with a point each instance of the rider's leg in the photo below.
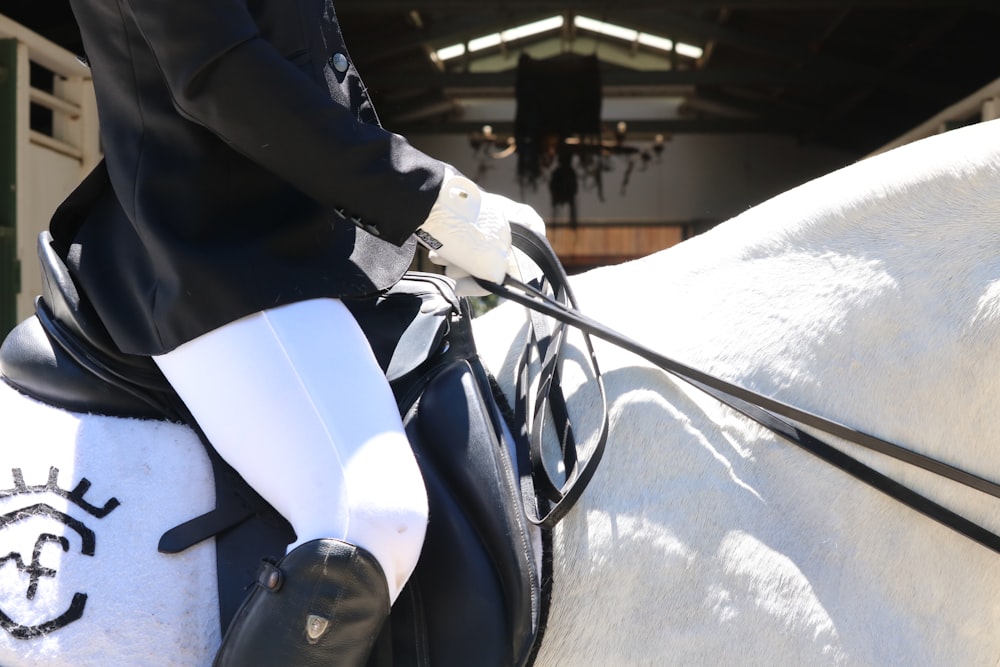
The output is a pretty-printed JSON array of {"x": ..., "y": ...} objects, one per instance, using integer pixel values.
[{"x": 294, "y": 400}]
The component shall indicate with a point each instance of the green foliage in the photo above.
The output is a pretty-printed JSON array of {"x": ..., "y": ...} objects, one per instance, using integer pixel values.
[{"x": 482, "y": 304}]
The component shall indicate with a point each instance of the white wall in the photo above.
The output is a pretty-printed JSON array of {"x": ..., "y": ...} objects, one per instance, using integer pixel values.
[
  {"x": 48, "y": 178},
  {"x": 48, "y": 165},
  {"x": 700, "y": 177}
]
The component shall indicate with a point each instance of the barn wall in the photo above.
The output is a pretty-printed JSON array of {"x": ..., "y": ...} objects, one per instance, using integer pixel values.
[
  {"x": 55, "y": 144},
  {"x": 700, "y": 180}
]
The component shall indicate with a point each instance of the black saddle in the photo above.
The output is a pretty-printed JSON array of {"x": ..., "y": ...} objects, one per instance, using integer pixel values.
[{"x": 475, "y": 597}]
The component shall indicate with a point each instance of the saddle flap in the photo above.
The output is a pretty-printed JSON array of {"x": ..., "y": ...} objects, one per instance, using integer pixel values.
[{"x": 474, "y": 597}]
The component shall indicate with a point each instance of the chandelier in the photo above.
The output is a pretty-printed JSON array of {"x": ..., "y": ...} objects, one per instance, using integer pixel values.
[
  {"x": 559, "y": 136},
  {"x": 570, "y": 163}
]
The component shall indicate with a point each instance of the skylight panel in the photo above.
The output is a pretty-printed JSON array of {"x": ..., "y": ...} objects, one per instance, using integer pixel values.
[
  {"x": 689, "y": 50},
  {"x": 449, "y": 52},
  {"x": 656, "y": 42},
  {"x": 555, "y": 23},
  {"x": 609, "y": 29},
  {"x": 498, "y": 38},
  {"x": 533, "y": 28},
  {"x": 634, "y": 36},
  {"x": 480, "y": 43}
]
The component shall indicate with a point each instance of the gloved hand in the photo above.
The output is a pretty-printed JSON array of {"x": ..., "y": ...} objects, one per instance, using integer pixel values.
[
  {"x": 512, "y": 212},
  {"x": 467, "y": 232}
]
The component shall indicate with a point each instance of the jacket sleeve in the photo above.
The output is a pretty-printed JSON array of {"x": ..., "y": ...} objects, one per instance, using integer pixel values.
[{"x": 223, "y": 75}]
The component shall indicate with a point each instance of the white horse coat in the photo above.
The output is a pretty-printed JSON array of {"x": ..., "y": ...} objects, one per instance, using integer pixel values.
[{"x": 870, "y": 296}]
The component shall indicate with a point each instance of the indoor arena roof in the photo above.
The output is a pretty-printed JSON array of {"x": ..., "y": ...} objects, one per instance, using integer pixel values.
[{"x": 852, "y": 75}]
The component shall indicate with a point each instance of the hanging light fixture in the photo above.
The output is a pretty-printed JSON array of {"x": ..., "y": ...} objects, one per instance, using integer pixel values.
[{"x": 559, "y": 136}]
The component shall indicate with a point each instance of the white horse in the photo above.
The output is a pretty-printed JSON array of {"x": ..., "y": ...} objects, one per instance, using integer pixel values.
[{"x": 870, "y": 296}]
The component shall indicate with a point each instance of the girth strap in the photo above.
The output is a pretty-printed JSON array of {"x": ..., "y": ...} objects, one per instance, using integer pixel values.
[{"x": 768, "y": 412}]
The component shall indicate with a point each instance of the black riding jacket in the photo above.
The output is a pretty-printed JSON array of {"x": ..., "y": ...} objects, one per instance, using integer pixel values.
[{"x": 232, "y": 130}]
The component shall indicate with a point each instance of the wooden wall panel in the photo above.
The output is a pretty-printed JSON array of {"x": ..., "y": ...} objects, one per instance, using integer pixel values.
[{"x": 588, "y": 246}]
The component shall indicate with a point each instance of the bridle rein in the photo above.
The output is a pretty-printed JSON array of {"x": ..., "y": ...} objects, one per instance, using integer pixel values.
[{"x": 541, "y": 491}]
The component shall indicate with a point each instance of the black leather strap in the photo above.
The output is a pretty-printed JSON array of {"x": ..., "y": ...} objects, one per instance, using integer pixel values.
[
  {"x": 769, "y": 412},
  {"x": 546, "y": 501}
]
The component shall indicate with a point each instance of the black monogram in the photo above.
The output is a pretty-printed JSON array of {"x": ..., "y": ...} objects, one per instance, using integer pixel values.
[{"x": 33, "y": 568}]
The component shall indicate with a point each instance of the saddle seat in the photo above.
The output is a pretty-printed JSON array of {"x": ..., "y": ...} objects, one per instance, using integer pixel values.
[{"x": 475, "y": 595}]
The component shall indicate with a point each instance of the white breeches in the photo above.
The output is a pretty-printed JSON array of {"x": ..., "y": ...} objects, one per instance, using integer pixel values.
[{"x": 295, "y": 401}]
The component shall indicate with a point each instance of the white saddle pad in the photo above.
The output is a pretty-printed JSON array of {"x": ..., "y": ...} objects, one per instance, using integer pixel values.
[{"x": 83, "y": 502}]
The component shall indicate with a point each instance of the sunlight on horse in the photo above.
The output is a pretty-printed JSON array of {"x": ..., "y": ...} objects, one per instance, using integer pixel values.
[{"x": 870, "y": 296}]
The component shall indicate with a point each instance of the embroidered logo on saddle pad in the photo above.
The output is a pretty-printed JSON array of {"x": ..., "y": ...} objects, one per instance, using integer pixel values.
[{"x": 31, "y": 525}]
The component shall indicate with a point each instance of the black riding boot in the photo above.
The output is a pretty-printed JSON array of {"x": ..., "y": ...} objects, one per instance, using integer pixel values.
[{"x": 322, "y": 604}]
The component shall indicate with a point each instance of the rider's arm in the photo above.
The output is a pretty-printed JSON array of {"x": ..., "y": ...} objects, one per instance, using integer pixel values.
[{"x": 224, "y": 76}]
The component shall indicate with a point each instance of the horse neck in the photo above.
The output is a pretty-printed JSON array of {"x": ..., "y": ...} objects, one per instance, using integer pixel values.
[{"x": 870, "y": 296}]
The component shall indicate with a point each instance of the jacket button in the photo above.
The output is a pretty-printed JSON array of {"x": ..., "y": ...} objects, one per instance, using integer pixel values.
[{"x": 339, "y": 61}]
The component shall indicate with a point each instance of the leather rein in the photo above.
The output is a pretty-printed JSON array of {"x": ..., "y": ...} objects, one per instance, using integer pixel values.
[{"x": 542, "y": 492}]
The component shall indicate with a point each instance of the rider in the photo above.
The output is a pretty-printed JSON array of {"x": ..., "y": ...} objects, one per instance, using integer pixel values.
[{"x": 233, "y": 131}]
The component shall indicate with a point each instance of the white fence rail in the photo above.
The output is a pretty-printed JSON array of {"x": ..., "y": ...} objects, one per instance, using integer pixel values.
[
  {"x": 980, "y": 106},
  {"x": 50, "y": 160}
]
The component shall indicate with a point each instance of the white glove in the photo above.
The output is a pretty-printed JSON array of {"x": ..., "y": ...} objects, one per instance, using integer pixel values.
[
  {"x": 511, "y": 211},
  {"x": 467, "y": 232},
  {"x": 516, "y": 212},
  {"x": 461, "y": 232}
]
